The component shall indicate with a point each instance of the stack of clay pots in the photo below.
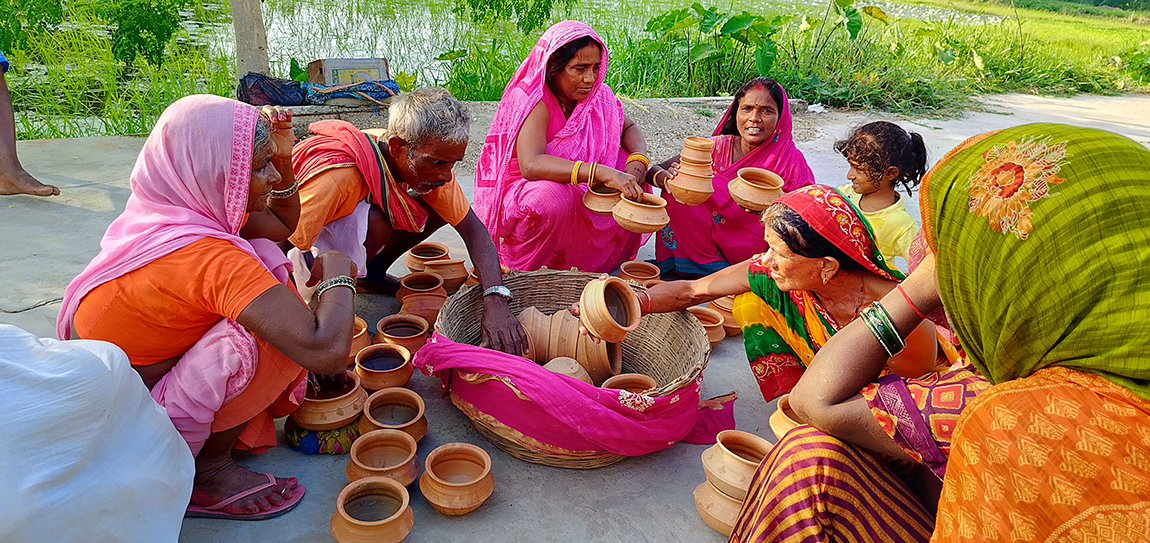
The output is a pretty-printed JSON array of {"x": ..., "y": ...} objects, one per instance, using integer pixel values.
[
  {"x": 692, "y": 184},
  {"x": 555, "y": 342},
  {"x": 419, "y": 255},
  {"x": 644, "y": 216},
  {"x": 422, "y": 294},
  {"x": 725, "y": 306},
  {"x": 784, "y": 418},
  {"x": 755, "y": 188},
  {"x": 729, "y": 465},
  {"x": 331, "y": 410}
]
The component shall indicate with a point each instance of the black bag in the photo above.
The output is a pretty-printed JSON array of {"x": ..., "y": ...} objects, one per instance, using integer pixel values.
[{"x": 261, "y": 90}]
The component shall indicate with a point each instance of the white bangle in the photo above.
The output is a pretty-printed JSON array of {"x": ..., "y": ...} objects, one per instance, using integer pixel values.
[{"x": 337, "y": 281}]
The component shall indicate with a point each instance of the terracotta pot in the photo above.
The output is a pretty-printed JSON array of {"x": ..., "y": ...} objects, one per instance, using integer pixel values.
[
  {"x": 384, "y": 453},
  {"x": 631, "y": 382},
  {"x": 701, "y": 171},
  {"x": 718, "y": 510},
  {"x": 601, "y": 199},
  {"x": 420, "y": 254},
  {"x": 609, "y": 309},
  {"x": 784, "y": 418},
  {"x": 332, "y": 412},
  {"x": 696, "y": 149},
  {"x": 712, "y": 323},
  {"x": 372, "y": 510},
  {"x": 563, "y": 335},
  {"x": 725, "y": 306},
  {"x": 538, "y": 328},
  {"x": 691, "y": 190},
  {"x": 731, "y": 462},
  {"x": 458, "y": 478},
  {"x": 424, "y": 304},
  {"x": 473, "y": 275},
  {"x": 394, "y": 409},
  {"x": 755, "y": 188},
  {"x": 647, "y": 215},
  {"x": 421, "y": 283},
  {"x": 569, "y": 367},
  {"x": 638, "y": 271},
  {"x": 452, "y": 270},
  {"x": 359, "y": 340},
  {"x": 407, "y": 331},
  {"x": 601, "y": 360},
  {"x": 920, "y": 354},
  {"x": 383, "y": 366}
]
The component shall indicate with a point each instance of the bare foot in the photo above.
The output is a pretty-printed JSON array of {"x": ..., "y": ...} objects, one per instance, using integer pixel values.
[
  {"x": 216, "y": 485},
  {"x": 21, "y": 182},
  {"x": 390, "y": 286}
]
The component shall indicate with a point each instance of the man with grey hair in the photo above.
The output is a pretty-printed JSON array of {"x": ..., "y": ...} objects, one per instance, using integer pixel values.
[{"x": 375, "y": 194}]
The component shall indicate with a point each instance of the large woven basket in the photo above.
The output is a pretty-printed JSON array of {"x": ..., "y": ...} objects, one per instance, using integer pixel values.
[{"x": 672, "y": 348}]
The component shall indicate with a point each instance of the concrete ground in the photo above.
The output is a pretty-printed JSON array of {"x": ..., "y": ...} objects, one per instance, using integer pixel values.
[{"x": 48, "y": 241}]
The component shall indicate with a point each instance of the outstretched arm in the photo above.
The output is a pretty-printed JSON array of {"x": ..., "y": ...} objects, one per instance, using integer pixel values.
[
  {"x": 501, "y": 330},
  {"x": 676, "y": 295}
]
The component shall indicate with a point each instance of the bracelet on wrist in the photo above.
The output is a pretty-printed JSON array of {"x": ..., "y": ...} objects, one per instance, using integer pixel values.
[
  {"x": 878, "y": 321},
  {"x": 906, "y": 297},
  {"x": 285, "y": 193},
  {"x": 337, "y": 281},
  {"x": 644, "y": 302},
  {"x": 639, "y": 157},
  {"x": 575, "y": 172}
]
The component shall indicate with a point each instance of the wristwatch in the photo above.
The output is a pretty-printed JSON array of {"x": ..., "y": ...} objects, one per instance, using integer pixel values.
[{"x": 498, "y": 290}]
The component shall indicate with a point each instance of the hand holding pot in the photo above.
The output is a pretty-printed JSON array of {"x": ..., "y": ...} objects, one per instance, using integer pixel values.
[
  {"x": 636, "y": 169},
  {"x": 331, "y": 264},
  {"x": 583, "y": 329},
  {"x": 624, "y": 182},
  {"x": 320, "y": 383}
]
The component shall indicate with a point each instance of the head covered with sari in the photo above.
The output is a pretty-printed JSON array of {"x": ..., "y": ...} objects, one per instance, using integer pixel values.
[
  {"x": 1043, "y": 246},
  {"x": 592, "y": 133},
  {"x": 779, "y": 153}
]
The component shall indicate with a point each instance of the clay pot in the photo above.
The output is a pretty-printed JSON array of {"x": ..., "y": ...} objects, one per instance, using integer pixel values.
[
  {"x": 563, "y": 335},
  {"x": 452, "y": 270},
  {"x": 712, "y": 323},
  {"x": 696, "y": 149},
  {"x": 609, "y": 309},
  {"x": 424, "y": 304},
  {"x": 755, "y": 188},
  {"x": 725, "y": 306},
  {"x": 473, "y": 275},
  {"x": 383, "y": 366},
  {"x": 601, "y": 360},
  {"x": 718, "y": 510},
  {"x": 920, "y": 354},
  {"x": 784, "y": 418},
  {"x": 645, "y": 216},
  {"x": 407, "y": 331},
  {"x": 731, "y": 462},
  {"x": 631, "y": 382},
  {"x": 690, "y": 189},
  {"x": 421, "y": 283},
  {"x": 458, "y": 478},
  {"x": 332, "y": 412},
  {"x": 601, "y": 199},
  {"x": 383, "y": 453},
  {"x": 638, "y": 271},
  {"x": 359, "y": 340},
  {"x": 538, "y": 328},
  {"x": 569, "y": 367},
  {"x": 372, "y": 510},
  {"x": 394, "y": 409},
  {"x": 698, "y": 170},
  {"x": 418, "y": 256}
]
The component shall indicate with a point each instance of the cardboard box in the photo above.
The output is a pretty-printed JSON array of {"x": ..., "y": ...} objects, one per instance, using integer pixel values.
[{"x": 341, "y": 71}]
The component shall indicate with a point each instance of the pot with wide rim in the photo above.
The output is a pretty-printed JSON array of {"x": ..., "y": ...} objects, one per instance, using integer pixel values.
[
  {"x": 420, "y": 283},
  {"x": 452, "y": 270},
  {"x": 457, "y": 478},
  {"x": 731, "y": 462},
  {"x": 638, "y": 271},
  {"x": 689, "y": 189},
  {"x": 718, "y": 510},
  {"x": 609, "y": 309},
  {"x": 784, "y": 418},
  {"x": 372, "y": 510},
  {"x": 538, "y": 328},
  {"x": 330, "y": 410},
  {"x": 631, "y": 382},
  {"x": 383, "y": 366},
  {"x": 645, "y": 216},
  {"x": 601, "y": 199},
  {"x": 408, "y": 331},
  {"x": 421, "y": 253},
  {"x": 359, "y": 339},
  {"x": 423, "y": 304},
  {"x": 755, "y": 188},
  {"x": 383, "y": 453},
  {"x": 696, "y": 149},
  {"x": 569, "y": 367},
  {"x": 394, "y": 409},
  {"x": 712, "y": 322}
]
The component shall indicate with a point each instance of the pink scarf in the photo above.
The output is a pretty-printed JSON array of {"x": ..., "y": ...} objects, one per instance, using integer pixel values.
[
  {"x": 778, "y": 154},
  {"x": 591, "y": 134},
  {"x": 190, "y": 182}
]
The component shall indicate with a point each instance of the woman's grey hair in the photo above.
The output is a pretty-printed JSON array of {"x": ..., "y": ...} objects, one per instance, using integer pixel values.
[
  {"x": 428, "y": 113},
  {"x": 263, "y": 136}
]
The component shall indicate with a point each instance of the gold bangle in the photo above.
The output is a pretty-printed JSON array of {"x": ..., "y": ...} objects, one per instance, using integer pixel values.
[
  {"x": 641, "y": 158},
  {"x": 285, "y": 193},
  {"x": 575, "y": 172},
  {"x": 591, "y": 174}
]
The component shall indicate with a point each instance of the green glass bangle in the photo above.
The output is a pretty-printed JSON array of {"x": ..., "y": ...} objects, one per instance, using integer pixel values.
[
  {"x": 879, "y": 324},
  {"x": 894, "y": 336}
]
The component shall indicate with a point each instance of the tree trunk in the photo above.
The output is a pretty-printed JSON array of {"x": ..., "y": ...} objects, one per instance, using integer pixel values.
[{"x": 251, "y": 38}]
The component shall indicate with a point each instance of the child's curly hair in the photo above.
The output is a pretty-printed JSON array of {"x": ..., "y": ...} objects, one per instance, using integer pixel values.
[{"x": 874, "y": 147}]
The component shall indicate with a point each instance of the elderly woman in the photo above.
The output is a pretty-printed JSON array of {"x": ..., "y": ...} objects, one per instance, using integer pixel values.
[
  {"x": 558, "y": 129},
  {"x": 755, "y": 132},
  {"x": 191, "y": 285}
]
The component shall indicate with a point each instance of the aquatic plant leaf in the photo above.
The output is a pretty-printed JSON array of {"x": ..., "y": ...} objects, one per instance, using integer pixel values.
[
  {"x": 876, "y": 12},
  {"x": 737, "y": 23},
  {"x": 711, "y": 18},
  {"x": 765, "y": 57},
  {"x": 297, "y": 72},
  {"x": 852, "y": 21},
  {"x": 843, "y": 4},
  {"x": 702, "y": 52},
  {"x": 452, "y": 55}
]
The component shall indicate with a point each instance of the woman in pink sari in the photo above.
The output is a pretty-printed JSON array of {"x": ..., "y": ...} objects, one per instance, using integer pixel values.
[
  {"x": 755, "y": 132},
  {"x": 558, "y": 129}
]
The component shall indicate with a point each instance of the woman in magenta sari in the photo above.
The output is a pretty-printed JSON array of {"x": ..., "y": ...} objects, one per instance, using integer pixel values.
[
  {"x": 558, "y": 128},
  {"x": 755, "y": 132}
]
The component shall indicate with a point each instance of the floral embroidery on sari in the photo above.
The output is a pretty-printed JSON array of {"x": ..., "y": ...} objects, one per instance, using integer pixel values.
[
  {"x": 667, "y": 236},
  {"x": 638, "y": 402},
  {"x": 1013, "y": 176}
]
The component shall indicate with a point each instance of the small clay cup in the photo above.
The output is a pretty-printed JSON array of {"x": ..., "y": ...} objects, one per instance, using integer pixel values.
[
  {"x": 731, "y": 462},
  {"x": 755, "y": 188},
  {"x": 569, "y": 367},
  {"x": 609, "y": 309},
  {"x": 452, "y": 270},
  {"x": 408, "y": 331},
  {"x": 631, "y": 382},
  {"x": 383, "y": 453},
  {"x": 424, "y": 304},
  {"x": 725, "y": 306},
  {"x": 420, "y": 283},
  {"x": 784, "y": 418},
  {"x": 712, "y": 323},
  {"x": 394, "y": 409},
  {"x": 689, "y": 189},
  {"x": 718, "y": 510},
  {"x": 372, "y": 510},
  {"x": 601, "y": 360},
  {"x": 638, "y": 271},
  {"x": 458, "y": 478},
  {"x": 420, "y": 254},
  {"x": 359, "y": 340},
  {"x": 601, "y": 199},
  {"x": 331, "y": 413},
  {"x": 647, "y": 215},
  {"x": 383, "y": 366},
  {"x": 538, "y": 328},
  {"x": 696, "y": 149},
  {"x": 563, "y": 335}
]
